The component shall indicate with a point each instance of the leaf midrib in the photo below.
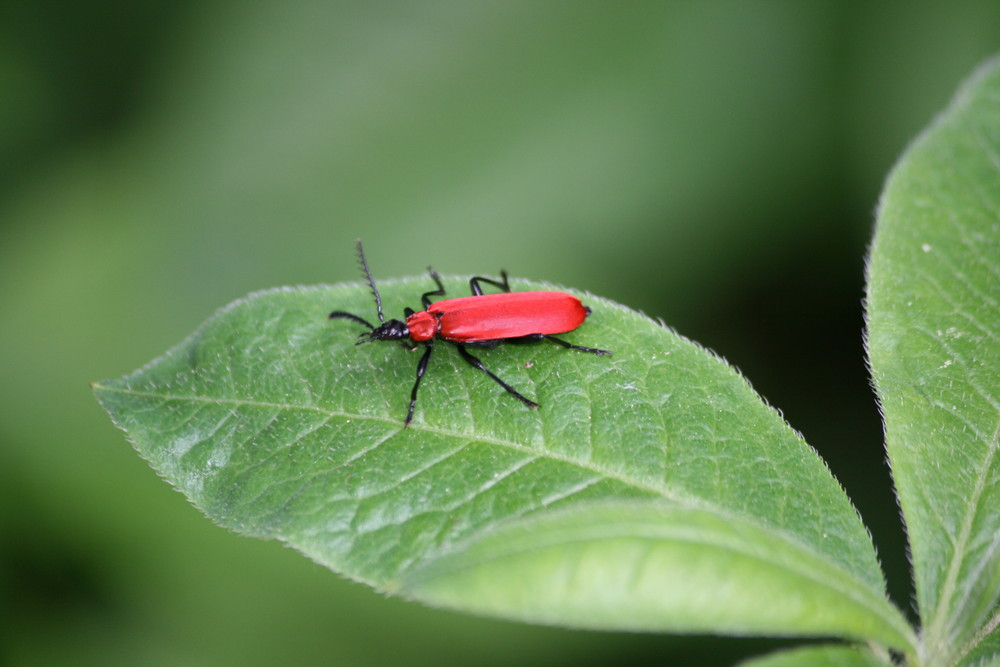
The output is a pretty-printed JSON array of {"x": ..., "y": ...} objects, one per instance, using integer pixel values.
[
  {"x": 940, "y": 625},
  {"x": 687, "y": 501}
]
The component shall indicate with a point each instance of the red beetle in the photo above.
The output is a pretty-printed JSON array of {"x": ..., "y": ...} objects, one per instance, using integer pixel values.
[{"x": 481, "y": 320}]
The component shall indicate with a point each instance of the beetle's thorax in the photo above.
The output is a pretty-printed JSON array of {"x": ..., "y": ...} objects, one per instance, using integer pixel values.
[{"x": 422, "y": 326}]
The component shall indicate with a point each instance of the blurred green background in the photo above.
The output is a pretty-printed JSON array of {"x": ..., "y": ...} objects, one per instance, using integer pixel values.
[{"x": 716, "y": 164}]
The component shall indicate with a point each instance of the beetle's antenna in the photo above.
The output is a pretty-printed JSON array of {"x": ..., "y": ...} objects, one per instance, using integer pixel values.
[
  {"x": 371, "y": 282},
  {"x": 350, "y": 316}
]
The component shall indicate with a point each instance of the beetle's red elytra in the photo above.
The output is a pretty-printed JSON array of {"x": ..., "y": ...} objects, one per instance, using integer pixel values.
[
  {"x": 473, "y": 319},
  {"x": 480, "y": 320}
]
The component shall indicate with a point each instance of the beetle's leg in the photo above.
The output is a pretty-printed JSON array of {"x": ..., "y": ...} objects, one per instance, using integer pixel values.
[
  {"x": 476, "y": 363},
  {"x": 502, "y": 284},
  {"x": 534, "y": 338},
  {"x": 570, "y": 346},
  {"x": 487, "y": 343},
  {"x": 425, "y": 298},
  {"x": 421, "y": 369}
]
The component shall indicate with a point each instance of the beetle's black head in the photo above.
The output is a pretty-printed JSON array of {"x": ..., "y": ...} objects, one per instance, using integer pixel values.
[{"x": 391, "y": 330}]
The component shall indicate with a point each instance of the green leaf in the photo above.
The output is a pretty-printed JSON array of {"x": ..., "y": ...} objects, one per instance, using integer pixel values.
[
  {"x": 934, "y": 345},
  {"x": 651, "y": 490},
  {"x": 819, "y": 656},
  {"x": 986, "y": 650}
]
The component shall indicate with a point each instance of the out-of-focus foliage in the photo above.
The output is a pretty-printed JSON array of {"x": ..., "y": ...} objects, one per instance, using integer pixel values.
[{"x": 715, "y": 164}]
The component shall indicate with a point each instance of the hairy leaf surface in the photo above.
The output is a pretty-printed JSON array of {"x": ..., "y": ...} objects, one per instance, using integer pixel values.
[
  {"x": 651, "y": 490},
  {"x": 934, "y": 345}
]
